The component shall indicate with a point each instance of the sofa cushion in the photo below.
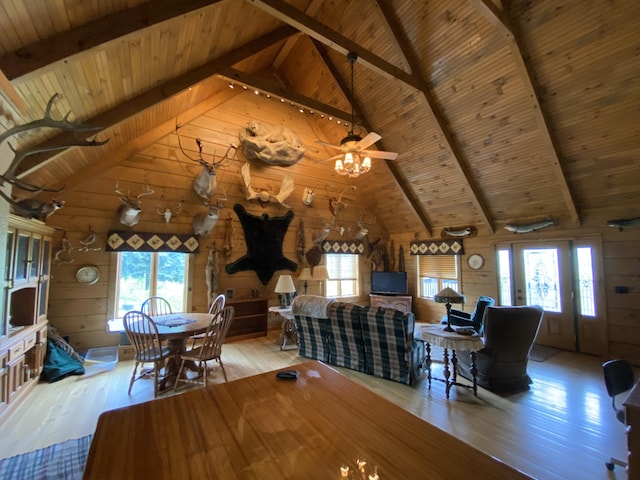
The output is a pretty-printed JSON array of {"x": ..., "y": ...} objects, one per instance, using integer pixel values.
[
  {"x": 344, "y": 335},
  {"x": 311, "y": 314},
  {"x": 389, "y": 343}
]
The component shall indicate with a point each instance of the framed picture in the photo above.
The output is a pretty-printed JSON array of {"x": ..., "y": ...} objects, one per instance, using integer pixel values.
[{"x": 229, "y": 293}]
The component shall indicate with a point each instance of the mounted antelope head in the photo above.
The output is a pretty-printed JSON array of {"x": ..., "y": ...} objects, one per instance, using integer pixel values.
[
  {"x": 129, "y": 211},
  {"x": 168, "y": 213},
  {"x": 204, "y": 223},
  {"x": 204, "y": 184}
]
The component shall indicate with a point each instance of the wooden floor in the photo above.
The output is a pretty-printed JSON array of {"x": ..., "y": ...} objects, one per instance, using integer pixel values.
[{"x": 563, "y": 428}]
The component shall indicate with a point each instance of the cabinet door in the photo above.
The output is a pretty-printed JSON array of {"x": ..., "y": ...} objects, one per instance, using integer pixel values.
[
  {"x": 8, "y": 284},
  {"x": 43, "y": 287},
  {"x": 4, "y": 382},
  {"x": 21, "y": 268},
  {"x": 34, "y": 258},
  {"x": 16, "y": 377}
]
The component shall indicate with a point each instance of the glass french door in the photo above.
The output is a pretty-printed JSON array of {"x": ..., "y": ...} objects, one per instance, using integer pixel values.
[{"x": 560, "y": 276}]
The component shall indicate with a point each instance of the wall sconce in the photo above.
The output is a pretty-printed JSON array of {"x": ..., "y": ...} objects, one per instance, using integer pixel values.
[{"x": 285, "y": 290}]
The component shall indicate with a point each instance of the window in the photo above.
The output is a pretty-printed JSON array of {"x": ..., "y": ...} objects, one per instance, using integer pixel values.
[
  {"x": 436, "y": 272},
  {"x": 504, "y": 277},
  {"x": 146, "y": 274},
  {"x": 343, "y": 275}
]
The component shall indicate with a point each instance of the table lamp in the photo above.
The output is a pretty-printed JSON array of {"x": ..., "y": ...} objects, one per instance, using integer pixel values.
[
  {"x": 320, "y": 273},
  {"x": 305, "y": 275},
  {"x": 448, "y": 296},
  {"x": 285, "y": 290}
]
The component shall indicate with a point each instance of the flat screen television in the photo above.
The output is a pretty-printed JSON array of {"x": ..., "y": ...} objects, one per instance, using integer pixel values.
[{"x": 389, "y": 283}]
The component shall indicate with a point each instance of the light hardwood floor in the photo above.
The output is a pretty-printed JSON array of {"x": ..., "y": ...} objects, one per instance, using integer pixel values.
[{"x": 563, "y": 428}]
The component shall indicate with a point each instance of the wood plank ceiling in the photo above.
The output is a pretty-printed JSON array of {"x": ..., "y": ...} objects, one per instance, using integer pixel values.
[{"x": 499, "y": 114}]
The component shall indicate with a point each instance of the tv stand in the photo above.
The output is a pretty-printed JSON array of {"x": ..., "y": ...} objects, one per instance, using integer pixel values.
[{"x": 397, "y": 302}]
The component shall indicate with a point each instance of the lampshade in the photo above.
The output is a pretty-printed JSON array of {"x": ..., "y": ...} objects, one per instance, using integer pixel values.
[
  {"x": 285, "y": 284},
  {"x": 305, "y": 274},
  {"x": 448, "y": 295},
  {"x": 320, "y": 273}
]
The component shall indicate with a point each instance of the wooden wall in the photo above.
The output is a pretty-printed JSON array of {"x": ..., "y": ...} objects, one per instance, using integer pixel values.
[
  {"x": 81, "y": 311},
  {"x": 619, "y": 322}
]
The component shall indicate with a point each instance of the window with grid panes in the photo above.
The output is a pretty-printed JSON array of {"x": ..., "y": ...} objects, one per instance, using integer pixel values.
[
  {"x": 343, "y": 275},
  {"x": 436, "y": 272}
]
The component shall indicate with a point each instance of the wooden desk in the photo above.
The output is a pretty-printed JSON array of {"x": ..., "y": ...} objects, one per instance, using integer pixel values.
[{"x": 263, "y": 427}]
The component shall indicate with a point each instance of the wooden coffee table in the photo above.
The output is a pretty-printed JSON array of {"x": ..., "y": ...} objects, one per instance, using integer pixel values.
[{"x": 451, "y": 341}]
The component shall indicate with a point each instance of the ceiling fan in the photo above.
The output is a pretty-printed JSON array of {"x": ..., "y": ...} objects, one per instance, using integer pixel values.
[{"x": 354, "y": 158}]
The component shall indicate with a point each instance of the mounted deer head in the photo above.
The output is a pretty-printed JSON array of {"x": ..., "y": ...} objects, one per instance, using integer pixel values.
[
  {"x": 204, "y": 184},
  {"x": 204, "y": 223},
  {"x": 324, "y": 233},
  {"x": 10, "y": 175},
  {"x": 130, "y": 210},
  {"x": 307, "y": 196}
]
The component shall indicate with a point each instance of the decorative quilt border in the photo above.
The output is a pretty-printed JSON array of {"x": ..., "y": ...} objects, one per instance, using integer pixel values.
[
  {"x": 437, "y": 247},
  {"x": 354, "y": 247},
  {"x": 121, "y": 241}
]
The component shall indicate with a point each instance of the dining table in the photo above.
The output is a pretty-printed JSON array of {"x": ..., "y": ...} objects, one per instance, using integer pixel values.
[
  {"x": 313, "y": 423},
  {"x": 176, "y": 329}
]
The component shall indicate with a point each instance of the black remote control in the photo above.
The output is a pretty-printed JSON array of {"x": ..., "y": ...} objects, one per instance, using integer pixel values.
[{"x": 288, "y": 374}]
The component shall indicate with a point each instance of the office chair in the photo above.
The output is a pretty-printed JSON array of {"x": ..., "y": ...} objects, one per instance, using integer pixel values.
[{"x": 619, "y": 378}]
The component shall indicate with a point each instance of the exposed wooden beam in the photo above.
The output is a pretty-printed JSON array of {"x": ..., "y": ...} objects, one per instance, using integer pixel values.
[
  {"x": 393, "y": 167},
  {"x": 290, "y": 15},
  {"x": 278, "y": 91},
  {"x": 311, "y": 27},
  {"x": 159, "y": 94},
  {"x": 495, "y": 17},
  {"x": 395, "y": 37},
  {"x": 27, "y": 61},
  {"x": 437, "y": 117},
  {"x": 129, "y": 149}
]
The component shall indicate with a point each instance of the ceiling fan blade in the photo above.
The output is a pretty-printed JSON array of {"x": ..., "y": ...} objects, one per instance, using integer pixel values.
[
  {"x": 380, "y": 154},
  {"x": 369, "y": 140},
  {"x": 326, "y": 144},
  {"x": 335, "y": 157}
]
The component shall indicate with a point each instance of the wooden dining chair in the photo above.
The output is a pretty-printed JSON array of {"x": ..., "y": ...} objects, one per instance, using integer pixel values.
[
  {"x": 214, "y": 309},
  {"x": 153, "y": 306},
  {"x": 143, "y": 335},
  {"x": 211, "y": 349}
]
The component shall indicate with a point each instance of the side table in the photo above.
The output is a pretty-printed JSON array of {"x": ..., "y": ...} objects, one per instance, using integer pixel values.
[
  {"x": 436, "y": 335},
  {"x": 289, "y": 331}
]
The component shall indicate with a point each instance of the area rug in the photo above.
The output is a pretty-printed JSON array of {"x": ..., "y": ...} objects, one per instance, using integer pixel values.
[
  {"x": 63, "y": 461},
  {"x": 540, "y": 353}
]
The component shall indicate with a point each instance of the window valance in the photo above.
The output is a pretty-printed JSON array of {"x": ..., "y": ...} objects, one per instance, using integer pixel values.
[
  {"x": 437, "y": 247},
  {"x": 122, "y": 241},
  {"x": 353, "y": 247}
]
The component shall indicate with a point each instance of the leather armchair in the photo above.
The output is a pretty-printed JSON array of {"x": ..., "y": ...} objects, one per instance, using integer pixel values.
[
  {"x": 473, "y": 319},
  {"x": 509, "y": 334}
]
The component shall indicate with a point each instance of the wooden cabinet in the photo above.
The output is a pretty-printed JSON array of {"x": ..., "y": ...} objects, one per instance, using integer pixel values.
[
  {"x": 398, "y": 302},
  {"x": 632, "y": 419},
  {"x": 23, "y": 317},
  {"x": 250, "y": 319}
]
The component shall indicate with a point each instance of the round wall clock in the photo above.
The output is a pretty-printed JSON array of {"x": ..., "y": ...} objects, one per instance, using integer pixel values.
[
  {"x": 88, "y": 274},
  {"x": 475, "y": 261}
]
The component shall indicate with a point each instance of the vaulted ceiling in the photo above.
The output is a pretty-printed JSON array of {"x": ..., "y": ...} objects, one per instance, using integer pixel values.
[{"x": 499, "y": 112}]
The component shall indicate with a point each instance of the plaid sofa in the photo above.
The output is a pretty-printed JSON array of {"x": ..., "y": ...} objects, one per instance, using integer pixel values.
[{"x": 374, "y": 340}]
